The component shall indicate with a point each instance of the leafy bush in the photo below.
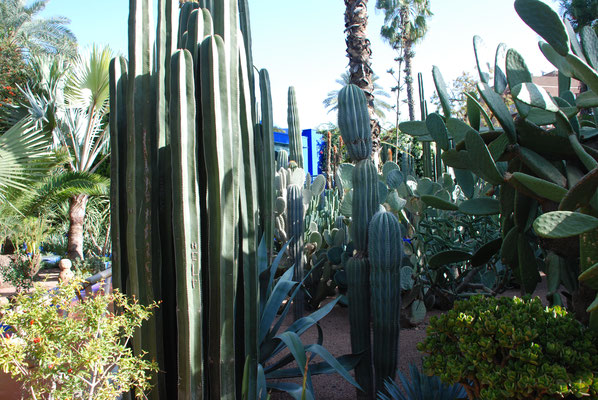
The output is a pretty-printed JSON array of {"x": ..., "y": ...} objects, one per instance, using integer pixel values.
[
  {"x": 64, "y": 349},
  {"x": 89, "y": 266},
  {"x": 512, "y": 349},
  {"x": 21, "y": 271}
]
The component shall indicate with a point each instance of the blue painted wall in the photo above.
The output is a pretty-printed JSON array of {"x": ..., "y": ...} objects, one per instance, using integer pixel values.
[{"x": 311, "y": 156}]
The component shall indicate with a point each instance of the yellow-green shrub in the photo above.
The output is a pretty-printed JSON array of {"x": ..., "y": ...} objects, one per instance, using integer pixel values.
[{"x": 509, "y": 348}]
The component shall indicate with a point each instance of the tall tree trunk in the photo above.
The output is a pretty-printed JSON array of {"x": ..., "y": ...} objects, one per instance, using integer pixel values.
[
  {"x": 409, "y": 79},
  {"x": 77, "y": 206},
  {"x": 360, "y": 66}
]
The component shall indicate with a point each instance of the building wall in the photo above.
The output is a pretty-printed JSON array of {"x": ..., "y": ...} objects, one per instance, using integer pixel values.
[{"x": 550, "y": 82}]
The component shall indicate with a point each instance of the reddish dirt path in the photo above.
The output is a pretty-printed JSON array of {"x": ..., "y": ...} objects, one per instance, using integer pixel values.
[{"x": 337, "y": 340}]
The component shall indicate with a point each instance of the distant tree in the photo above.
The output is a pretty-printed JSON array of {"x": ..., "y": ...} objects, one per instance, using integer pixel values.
[
  {"x": 359, "y": 52},
  {"x": 464, "y": 83},
  {"x": 21, "y": 27},
  {"x": 380, "y": 106},
  {"x": 13, "y": 75},
  {"x": 70, "y": 102},
  {"x": 405, "y": 24},
  {"x": 580, "y": 13}
]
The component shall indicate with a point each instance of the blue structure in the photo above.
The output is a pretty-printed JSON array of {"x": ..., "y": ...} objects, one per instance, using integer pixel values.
[{"x": 310, "y": 140}]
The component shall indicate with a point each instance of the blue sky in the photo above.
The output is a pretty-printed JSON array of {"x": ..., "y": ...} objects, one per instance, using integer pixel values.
[{"x": 302, "y": 44}]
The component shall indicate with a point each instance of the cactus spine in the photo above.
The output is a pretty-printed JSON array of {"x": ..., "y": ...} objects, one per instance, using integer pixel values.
[{"x": 295, "y": 142}]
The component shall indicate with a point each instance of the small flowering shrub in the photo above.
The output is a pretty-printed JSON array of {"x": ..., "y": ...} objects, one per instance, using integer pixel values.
[
  {"x": 21, "y": 271},
  {"x": 65, "y": 349},
  {"x": 509, "y": 348}
]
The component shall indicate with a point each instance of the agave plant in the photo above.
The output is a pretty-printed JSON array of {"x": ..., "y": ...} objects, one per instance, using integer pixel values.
[
  {"x": 278, "y": 295},
  {"x": 421, "y": 387}
]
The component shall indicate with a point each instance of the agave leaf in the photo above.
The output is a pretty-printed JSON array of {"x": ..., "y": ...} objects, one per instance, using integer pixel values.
[
  {"x": 293, "y": 389},
  {"x": 347, "y": 361},
  {"x": 279, "y": 294}
]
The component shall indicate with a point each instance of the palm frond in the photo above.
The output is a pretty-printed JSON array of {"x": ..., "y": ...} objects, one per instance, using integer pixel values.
[
  {"x": 61, "y": 187},
  {"x": 88, "y": 82},
  {"x": 22, "y": 147}
]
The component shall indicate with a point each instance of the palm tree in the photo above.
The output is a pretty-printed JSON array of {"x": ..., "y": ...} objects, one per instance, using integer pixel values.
[
  {"x": 73, "y": 107},
  {"x": 360, "y": 67},
  {"x": 580, "y": 13},
  {"x": 404, "y": 25},
  {"x": 35, "y": 35},
  {"x": 380, "y": 106}
]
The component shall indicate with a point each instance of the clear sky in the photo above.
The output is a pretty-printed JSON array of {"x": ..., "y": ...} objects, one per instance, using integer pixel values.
[{"x": 302, "y": 43}]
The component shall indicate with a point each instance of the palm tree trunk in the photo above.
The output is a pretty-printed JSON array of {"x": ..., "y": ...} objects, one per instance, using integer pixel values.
[
  {"x": 409, "y": 79},
  {"x": 360, "y": 67},
  {"x": 77, "y": 206}
]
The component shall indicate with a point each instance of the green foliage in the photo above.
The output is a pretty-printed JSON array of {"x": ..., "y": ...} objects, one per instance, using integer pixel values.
[
  {"x": 278, "y": 295},
  {"x": 380, "y": 105},
  {"x": 500, "y": 348},
  {"x": 89, "y": 266},
  {"x": 13, "y": 74},
  {"x": 21, "y": 271},
  {"x": 420, "y": 387},
  {"x": 60, "y": 348},
  {"x": 34, "y": 35}
]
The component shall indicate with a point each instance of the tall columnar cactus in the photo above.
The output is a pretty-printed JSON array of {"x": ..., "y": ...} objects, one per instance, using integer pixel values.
[
  {"x": 354, "y": 122},
  {"x": 283, "y": 160},
  {"x": 295, "y": 231},
  {"x": 186, "y": 223},
  {"x": 369, "y": 298},
  {"x": 265, "y": 155},
  {"x": 385, "y": 252},
  {"x": 190, "y": 112},
  {"x": 295, "y": 142},
  {"x": 143, "y": 250},
  {"x": 365, "y": 202},
  {"x": 358, "y": 295}
]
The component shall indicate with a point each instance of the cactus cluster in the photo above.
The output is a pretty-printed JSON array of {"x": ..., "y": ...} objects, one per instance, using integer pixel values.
[
  {"x": 182, "y": 107},
  {"x": 374, "y": 271},
  {"x": 541, "y": 161}
]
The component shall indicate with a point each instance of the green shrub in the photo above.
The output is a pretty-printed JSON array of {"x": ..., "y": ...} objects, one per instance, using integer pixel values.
[
  {"x": 64, "y": 349},
  {"x": 509, "y": 348},
  {"x": 21, "y": 271}
]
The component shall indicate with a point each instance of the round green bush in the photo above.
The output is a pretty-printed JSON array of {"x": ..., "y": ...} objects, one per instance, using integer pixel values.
[{"x": 512, "y": 348}]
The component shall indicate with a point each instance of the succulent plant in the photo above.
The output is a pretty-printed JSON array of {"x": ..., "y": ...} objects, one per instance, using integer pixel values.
[
  {"x": 532, "y": 163},
  {"x": 520, "y": 349}
]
